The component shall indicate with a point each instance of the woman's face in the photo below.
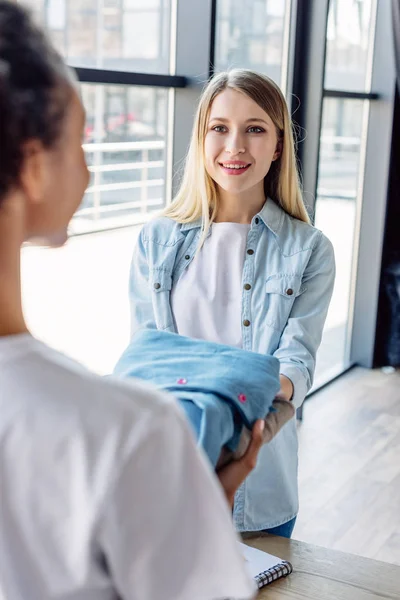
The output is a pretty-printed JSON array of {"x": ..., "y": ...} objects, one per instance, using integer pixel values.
[
  {"x": 59, "y": 180},
  {"x": 240, "y": 144}
]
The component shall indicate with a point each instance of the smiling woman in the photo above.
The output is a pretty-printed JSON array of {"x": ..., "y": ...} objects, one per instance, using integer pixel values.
[
  {"x": 239, "y": 105},
  {"x": 235, "y": 261},
  {"x": 236, "y": 144}
]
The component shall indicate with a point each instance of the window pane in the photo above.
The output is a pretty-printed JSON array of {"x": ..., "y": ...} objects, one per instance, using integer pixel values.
[
  {"x": 250, "y": 34},
  {"x": 347, "y": 44},
  {"x": 339, "y": 172},
  {"x": 128, "y": 36},
  {"x": 76, "y": 297},
  {"x": 125, "y": 144}
]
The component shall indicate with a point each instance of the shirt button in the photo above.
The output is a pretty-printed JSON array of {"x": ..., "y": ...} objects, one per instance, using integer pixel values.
[
  {"x": 250, "y": 251},
  {"x": 247, "y": 286},
  {"x": 187, "y": 257},
  {"x": 246, "y": 323},
  {"x": 157, "y": 286},
  {"x": 289, "y": 292},
  {"x": 257, "y": 220}
]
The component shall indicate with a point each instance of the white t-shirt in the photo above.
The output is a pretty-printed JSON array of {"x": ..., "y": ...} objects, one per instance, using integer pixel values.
[
  {"x": 207, "y": 299},
  {"x": 103, "y": 492}
]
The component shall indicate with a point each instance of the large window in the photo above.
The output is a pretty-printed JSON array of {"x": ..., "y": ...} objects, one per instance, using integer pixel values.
[
  {"x": 127, "y": 126},
  {"x": 349, "y": 47},
  {"x": 252, "y": 34},
  {"x": 125, "y": 144},
  {"x": 76, "y": 297},
  {"x": 336, "y": 209},
  {"x": 128, "y": 35},
  {"x": 348, "y": 44}
]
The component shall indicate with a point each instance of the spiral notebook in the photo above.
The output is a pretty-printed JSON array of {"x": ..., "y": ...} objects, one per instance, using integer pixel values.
[{"x": 264, "y": 568}]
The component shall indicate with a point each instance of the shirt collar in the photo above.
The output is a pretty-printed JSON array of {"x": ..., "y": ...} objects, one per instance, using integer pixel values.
[
  {"x": 271, "y": 215},
  {"x": 192, "y": 225}
]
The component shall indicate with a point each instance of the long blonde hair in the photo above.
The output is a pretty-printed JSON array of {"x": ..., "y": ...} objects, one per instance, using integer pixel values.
[{"x": 198, "y": 196}]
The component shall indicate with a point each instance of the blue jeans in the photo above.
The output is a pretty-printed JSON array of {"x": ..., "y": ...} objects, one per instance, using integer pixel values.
[{"x": 285, "y": 530}]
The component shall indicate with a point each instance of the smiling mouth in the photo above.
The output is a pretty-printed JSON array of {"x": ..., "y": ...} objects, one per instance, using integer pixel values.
[{"x": 234, "y": 168}]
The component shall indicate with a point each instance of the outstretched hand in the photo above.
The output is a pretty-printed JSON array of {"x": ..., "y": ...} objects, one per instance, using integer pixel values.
[{"x": 232, "y": 475}]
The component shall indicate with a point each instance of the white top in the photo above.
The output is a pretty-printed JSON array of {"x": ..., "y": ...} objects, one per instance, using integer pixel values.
[
  {"x": 207, "y": 299},
  {"x": 103, "y": 492}
]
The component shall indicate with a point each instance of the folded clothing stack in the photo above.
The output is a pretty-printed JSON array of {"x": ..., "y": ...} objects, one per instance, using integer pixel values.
[{"x": 223, "y": 390}]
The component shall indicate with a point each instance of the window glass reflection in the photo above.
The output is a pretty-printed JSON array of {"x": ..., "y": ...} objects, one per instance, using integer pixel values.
[
  {"x": 124, "y": 35},
  {"x": 250, "y": 34},
  {"x": 335, "y": 215},
  {"x": 348, "y": 44},
  {"x": 125, "y": 144}
]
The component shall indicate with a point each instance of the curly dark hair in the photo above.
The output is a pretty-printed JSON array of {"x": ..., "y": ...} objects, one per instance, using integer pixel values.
[{"x": 35, "y": 88}]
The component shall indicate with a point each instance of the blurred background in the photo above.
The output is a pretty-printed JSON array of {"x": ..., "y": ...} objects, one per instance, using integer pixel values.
[{"x": 130, "y": 54}]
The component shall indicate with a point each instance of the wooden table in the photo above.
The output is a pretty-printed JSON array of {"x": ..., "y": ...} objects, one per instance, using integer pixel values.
[{"x": 322, "y": 574}]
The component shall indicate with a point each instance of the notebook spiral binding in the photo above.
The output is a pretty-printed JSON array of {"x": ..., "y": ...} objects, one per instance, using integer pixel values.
[{"x": 282, "y": 570}]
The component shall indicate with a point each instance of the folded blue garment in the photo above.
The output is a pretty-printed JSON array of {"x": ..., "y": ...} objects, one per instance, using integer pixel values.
[{"x": 220, "y": 388}]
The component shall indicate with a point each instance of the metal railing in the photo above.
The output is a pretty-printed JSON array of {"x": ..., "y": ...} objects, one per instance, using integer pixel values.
[{"x": 98, "y": 213}]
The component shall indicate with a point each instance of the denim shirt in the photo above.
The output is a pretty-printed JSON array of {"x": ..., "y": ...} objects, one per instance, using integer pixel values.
[
  {"x": 212, "y": 382},
  {"x": 290, "y": 268}
]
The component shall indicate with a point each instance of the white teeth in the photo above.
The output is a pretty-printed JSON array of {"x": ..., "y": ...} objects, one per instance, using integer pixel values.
[{"x": 233, "y": 166}]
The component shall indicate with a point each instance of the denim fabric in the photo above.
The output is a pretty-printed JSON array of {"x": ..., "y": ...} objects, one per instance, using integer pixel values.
[
  {"x": 220, "y": 388},
  {"x": 290, "y": 267},
  {"x": 285, "y": 530}
]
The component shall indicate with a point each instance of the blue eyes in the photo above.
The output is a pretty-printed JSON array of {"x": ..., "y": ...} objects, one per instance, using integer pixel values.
[
  {"x": 223, "y": 129},
  {"x": 219, "y": 128}
]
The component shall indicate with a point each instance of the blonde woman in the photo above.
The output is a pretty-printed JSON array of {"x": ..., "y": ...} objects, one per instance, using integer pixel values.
[{"x": 235, "y": 260}]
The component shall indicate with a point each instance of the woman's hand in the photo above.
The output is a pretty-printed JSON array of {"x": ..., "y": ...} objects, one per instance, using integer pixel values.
[
  {"x": 287, "y": 389},
  {"x": 234, "y": 473}
]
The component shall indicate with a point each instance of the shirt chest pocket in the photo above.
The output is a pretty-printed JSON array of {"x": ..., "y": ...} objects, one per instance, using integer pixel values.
[
  {"x": 161, "y": 284},
  {"x": 280, "y": 293}
]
